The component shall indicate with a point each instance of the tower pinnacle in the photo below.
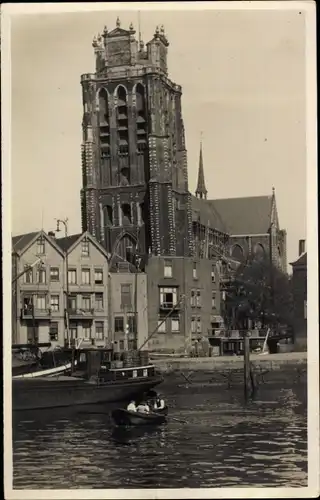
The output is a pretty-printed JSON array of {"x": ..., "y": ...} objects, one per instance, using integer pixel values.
[{"x": 201, "y": 191}]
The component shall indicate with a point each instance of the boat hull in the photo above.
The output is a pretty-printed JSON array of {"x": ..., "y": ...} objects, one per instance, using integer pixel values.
[
  {"x": 43, "y": 393},
  {"x": 130, "y": 418}
]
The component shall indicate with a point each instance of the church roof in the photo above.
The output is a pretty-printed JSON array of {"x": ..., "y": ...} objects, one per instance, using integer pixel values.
[
  {"x": 248, "y": 215},
  {"x": 206, "y": 214},
  {"x": 201, "y": 187},
  {"x": 301, "y": 261}
]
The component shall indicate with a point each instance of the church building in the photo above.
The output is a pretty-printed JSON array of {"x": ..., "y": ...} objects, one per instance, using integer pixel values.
[{"x": 135, "y": 198}]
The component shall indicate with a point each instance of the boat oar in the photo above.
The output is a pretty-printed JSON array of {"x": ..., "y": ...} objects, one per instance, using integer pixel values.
[{"x": 173, "y": 418}]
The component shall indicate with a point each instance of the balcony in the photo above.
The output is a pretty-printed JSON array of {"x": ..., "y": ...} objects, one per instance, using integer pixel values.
[
  {"x": 30, "y": 313},
  {"x": 166, "y": 306},
  {"x": 81, "y": 313}
]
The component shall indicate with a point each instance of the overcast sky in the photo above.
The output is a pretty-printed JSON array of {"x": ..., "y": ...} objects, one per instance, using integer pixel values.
[{"x": 243, "y": 80}]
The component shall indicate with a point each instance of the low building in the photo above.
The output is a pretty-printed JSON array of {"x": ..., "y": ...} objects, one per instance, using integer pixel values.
[
  {"x": 128, "y": 309},
  {"x": 299, "y": 290}
]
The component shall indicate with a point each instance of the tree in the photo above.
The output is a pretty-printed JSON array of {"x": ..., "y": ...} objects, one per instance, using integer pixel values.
[{"x": 261, "y": 292}]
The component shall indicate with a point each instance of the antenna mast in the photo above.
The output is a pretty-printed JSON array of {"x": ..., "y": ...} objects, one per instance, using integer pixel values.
[{"x": 139, "y": 27}]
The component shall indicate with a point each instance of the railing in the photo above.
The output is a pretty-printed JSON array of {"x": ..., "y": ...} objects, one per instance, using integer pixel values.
[
  {"x": 31, "y": 312},
  {"x": 81, "y": 313},
  {"x": 169, "y": 305}
]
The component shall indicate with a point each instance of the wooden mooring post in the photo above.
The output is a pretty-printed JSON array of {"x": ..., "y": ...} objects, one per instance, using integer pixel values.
[{"x": 247, "y": 380}]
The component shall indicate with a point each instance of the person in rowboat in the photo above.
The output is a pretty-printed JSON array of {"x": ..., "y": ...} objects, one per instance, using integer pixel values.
[
  {"x": 132, "y": 406},
  {"x": 159, "y": 403},
  {"x": 143, "y": 408}
]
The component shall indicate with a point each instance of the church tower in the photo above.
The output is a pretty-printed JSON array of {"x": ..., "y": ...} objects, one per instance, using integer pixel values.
[{"x": 134, "y": 168}]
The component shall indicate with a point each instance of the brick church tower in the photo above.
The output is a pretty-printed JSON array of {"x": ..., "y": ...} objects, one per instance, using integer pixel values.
[{"x": 134, "y": 168}]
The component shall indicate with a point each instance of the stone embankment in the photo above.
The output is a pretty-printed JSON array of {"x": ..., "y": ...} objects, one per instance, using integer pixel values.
[{"x": 267, "y": 361}]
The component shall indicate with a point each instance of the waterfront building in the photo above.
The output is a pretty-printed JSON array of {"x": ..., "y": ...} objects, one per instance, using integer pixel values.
[
  {"x": 128, "y": 309},
  {"x": 87, "y": 264},
  {"x": 299, "y": 290},
  {"x": 38, "y": 296}
]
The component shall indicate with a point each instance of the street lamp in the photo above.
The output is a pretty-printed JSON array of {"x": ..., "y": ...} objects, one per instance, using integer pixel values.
[{"x": 65, "y": 224}]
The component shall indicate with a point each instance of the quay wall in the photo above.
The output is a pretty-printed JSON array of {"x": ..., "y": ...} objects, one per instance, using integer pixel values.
[{"x": 268, "y": 362}]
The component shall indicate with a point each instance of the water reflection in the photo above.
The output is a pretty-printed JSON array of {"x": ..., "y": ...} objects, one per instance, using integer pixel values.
[{"x": 222, "y": 443}]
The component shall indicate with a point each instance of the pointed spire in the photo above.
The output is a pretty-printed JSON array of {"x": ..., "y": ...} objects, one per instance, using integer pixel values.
[{"x": 201, "y": 191}]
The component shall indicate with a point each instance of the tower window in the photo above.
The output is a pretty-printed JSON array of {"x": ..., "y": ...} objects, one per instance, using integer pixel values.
[
  {"x": 126, "y": 214},
  {"x": 125, "y": 176},
  {"x": 108, "y": 213}
]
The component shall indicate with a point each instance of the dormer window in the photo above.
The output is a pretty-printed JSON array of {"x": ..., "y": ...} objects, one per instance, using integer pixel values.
[{"x": 85, "y": 248}]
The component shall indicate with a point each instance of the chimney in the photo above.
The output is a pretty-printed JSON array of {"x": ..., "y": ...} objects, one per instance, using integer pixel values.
[
  {"x": 302, "y": 247},
  {"x": 52, "y": 234}
]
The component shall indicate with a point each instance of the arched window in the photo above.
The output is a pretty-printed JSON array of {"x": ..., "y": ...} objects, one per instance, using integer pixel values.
[
  {"x": 237, "y": 253},
  {"x": 259, "y": 251},
  {"x": 108, "y": 215},
  {"x": 126, "y": 214},
  {"x": 141, "y": 117},
  {"x": 122, "y": 120},
  {"x": 103, "y": 106}
]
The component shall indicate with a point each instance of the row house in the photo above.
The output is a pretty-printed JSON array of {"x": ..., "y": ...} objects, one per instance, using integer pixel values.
[{"x": 69, "y": 274}]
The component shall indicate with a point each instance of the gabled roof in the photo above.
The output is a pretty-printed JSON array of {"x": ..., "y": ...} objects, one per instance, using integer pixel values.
[
  {"x": 119, "y": 32},
  {"x": 301, "y": 261},
  {"x": 24, "y": 241},
  {"x": 206, "y": 214},
  {"x": 68, "y": 243},
  {"x": 21, "y": 241},
  {"x": 249, "y": 215}
]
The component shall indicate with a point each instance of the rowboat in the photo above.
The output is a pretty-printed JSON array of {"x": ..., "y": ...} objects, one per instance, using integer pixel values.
[{"x": 127, "y": 418}]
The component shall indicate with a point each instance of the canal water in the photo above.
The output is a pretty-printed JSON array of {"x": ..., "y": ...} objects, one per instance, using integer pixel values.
[{"x": 211, "y": 440}]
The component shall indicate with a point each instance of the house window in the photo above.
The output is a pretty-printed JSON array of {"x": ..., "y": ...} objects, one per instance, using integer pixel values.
[
  {"x": 41, "y": 276},
  {"x": 121, "y": 345},
  {"x": 132, "y": 346},
  {"x": 168, "y": 269},
  {"x": 168, "y": 297},
  {"x": 119, "y": 324},
  {"x": 199, "y": 328},
  {"x": 132, "y": 324},
  {"x": 28, "y": 277},
  {"x": 86, "y": 302},
  {"x": 85, "y": 276},
  {"x": 194, "y": 271},
  {"x": 98, "y": 299},
  {"x": 193, "y": 298},
  {"x": 213, "y": 274},
  {"x": 54, "y": 274},
  {"x": 72, "y": 302},
  {"x": 213, "y": 300},
  {"x": 40, "y": 246},
  {"x": 161, "y": 326},
  {"x": 53, "y": 332},
  {"x": 86, "y": 330},
  {"x": 99, "y": 330},
  {"x": 193, "y": 324},
  {"x": 98, "y": 277},
  {"x": 175, "y": 325},
  {"x": 85, "y": 248},
  {"x": 54, "y": 303},
  {"x": 41, "y": 302},
  {"x": 198, "y": 298},
  {"x": 72, "y": 276},
  {"x": 73, "y": 330},
  {"x": 126, "y": 295}
]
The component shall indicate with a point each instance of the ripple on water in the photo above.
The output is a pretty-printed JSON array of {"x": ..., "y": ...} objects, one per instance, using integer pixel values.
[{"x": 223, "y": 444}]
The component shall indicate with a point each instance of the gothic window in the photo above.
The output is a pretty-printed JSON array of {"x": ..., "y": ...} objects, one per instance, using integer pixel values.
[
  {"x": 108, "y": 215},
  {"x": 125, "y": 176},
  {"x": 122, "y": 120},
  {"x": 142, "y": 213},
  {"x": 104, "y": 130},
  {"x": 126, "y": 214},
  {"x": 237, "y": 253},
  {"x": 141, "y": 118},
  {"x": 259, "y": 252}
]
